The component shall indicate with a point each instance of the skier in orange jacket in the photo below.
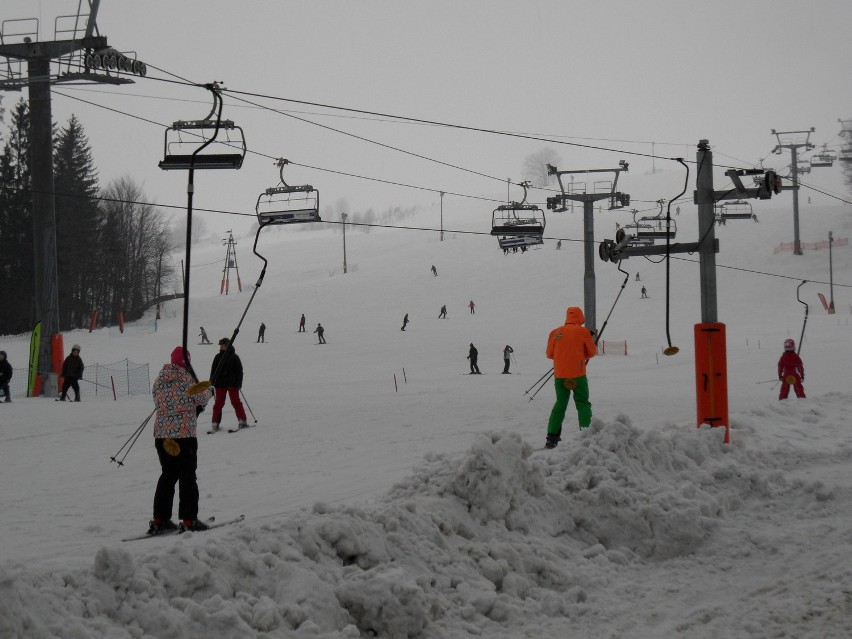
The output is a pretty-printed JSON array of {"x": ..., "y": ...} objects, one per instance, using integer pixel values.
[{"x": 570, "y": 346}]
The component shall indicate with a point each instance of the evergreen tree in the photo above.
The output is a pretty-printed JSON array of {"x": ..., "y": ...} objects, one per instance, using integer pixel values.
[
  {"x": 77, "y": 225},
  {"x": 17, "y": 310}
]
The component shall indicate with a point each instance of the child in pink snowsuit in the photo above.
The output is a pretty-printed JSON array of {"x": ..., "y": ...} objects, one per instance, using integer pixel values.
[{"x": 791, "y": 371}]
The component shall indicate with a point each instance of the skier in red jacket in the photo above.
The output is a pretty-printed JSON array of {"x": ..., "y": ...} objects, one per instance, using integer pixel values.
[{"x": 791, "y": 371}]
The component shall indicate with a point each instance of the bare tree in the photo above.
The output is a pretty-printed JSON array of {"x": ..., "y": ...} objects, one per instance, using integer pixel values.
[
  {"x": 535, "y": 166},
  {"x": 136, "y": 236}
]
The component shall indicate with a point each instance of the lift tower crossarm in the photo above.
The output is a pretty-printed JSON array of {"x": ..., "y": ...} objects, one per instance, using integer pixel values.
[
  {"x": 616, "y": 200},
  {"x": 794, "y": 147}
]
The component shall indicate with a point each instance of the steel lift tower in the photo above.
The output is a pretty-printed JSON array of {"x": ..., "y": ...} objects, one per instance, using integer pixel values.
[
  {"x": 78, "y": 53},
  {"x": 230, "y": 263},
  {"x": 794, "y": 146},
  {"x": 616, "y": 199}
]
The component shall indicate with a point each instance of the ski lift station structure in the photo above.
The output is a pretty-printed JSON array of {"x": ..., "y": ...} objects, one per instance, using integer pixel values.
[
  {"x": 518, "y": 224},
  {"x": 285, "y": 204}
]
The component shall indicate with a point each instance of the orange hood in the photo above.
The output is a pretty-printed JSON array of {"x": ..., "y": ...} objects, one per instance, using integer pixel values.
[{"x": 574, "y": 315}]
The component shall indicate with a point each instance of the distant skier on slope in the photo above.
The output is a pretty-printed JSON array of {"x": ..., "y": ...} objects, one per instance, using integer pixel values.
[
  {"x": 473, "y": 355},
  {"x": 5, "y": 376}
]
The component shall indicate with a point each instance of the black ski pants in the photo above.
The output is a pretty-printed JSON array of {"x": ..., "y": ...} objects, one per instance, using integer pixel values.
[
  {"x": 67, "y": 384},
  {"x": 178, "y": 469}
]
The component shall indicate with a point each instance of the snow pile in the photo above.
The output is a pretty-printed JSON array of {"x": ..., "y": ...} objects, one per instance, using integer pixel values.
[{"x": 473, "y": 543}]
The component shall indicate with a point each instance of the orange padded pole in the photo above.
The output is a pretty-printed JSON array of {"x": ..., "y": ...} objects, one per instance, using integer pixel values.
[{"x": 711, "y": 376}]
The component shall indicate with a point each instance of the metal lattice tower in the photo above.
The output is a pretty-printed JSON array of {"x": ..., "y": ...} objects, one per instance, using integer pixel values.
[{"x": 230, "y": 263}]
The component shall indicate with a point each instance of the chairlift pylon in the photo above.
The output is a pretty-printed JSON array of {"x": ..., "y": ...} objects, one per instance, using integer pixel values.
[
  {"x": 195, "y": 144},
  {"x": 285, "y": 204},
  {"x": 518, "y": 219}
]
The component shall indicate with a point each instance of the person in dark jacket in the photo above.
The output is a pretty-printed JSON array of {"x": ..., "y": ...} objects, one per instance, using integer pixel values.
[
  {"x": 5, "y": 376},
  {"x": 176, "y": 441},
  {"x": 72, "y": 371},
  {"x": 319, "y": 330},
  {"x": 473, "y": 355},
  {"x": 791, "y": 371},
  {"x": 261, "y": 333},
  {"x": 226, "y": 375},
  {"x": 404, "y": 322},
  {"x": 302, "y": 323}
]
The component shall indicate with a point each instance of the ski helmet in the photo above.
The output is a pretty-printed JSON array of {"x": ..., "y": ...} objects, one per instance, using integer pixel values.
[{"x": 789, "y": 345}]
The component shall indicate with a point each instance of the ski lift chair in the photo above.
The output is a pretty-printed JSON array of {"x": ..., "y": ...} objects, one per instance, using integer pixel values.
[
  {"x": 513, "y": 242},
  {"x": 287, "y": 204},
  {"x": 518, "y": 219},
  {"x": 736, "y": 210},
  {"x": 824, "y": 158},
  {"x": 658, "y": 231},
  {"x": 820, "y": 160},
  {"x": 195, "y": 144}
]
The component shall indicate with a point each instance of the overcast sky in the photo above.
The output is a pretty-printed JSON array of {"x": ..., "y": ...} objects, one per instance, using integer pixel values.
[{"x": 618, "y": 75}]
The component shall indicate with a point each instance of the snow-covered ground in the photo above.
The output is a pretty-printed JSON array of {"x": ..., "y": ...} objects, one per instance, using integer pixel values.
[{"x": 387, "y": 493}]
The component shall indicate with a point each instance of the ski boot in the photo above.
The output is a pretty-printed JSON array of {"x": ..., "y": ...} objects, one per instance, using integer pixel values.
[
  {"x": 193, "y": 525},
  {"x": 552, "y": 441},
  {"x": 160, "y": 526}
]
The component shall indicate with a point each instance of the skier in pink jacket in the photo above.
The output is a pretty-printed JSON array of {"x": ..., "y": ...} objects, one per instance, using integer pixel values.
[{"x": 791, "y": 371}]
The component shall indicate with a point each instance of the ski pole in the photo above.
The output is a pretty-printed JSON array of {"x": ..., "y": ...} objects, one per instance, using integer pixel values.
[
  {"x": 547, "y": 374},
  {"x": 131, "y": 441},
  {"x": 543, "y": 384},
  {"x": 248, "y": 406}
]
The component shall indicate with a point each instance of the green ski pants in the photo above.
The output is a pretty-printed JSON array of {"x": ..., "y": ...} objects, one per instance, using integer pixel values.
[{"x": 581, "y": 401}]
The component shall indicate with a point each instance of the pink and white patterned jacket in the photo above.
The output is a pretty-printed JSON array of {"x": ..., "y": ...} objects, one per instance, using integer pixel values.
[{"x": 176, "y": 415}]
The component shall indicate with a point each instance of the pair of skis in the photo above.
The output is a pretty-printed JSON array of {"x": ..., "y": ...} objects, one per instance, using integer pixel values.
[
  {"x": 211, "y": 524},
  {"x": 232, "y": 430}
]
